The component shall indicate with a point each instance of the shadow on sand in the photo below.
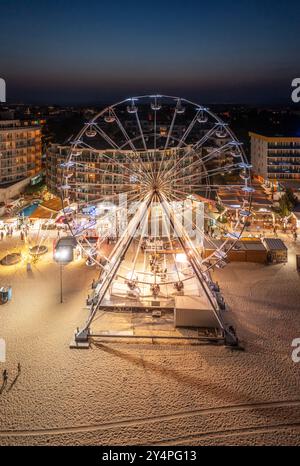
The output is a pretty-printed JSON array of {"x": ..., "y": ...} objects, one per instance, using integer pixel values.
[
  {"x": 13, "y": 382},
  {"x": 4, "y": 384}
]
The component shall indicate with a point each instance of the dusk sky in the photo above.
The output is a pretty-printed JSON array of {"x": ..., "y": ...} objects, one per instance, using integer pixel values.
[{"x": 71, "y": 51}]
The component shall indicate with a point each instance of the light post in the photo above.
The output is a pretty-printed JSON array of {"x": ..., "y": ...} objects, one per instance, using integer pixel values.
[
  {"x": 63, "y": 255},
  {"x": 61, "y": 282}
]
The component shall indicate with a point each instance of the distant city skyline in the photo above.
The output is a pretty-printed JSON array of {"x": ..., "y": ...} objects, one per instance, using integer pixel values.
[{"x": 75, "y": 52}]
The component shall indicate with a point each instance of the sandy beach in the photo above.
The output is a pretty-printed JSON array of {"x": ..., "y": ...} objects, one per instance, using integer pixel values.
[{"x": 149, "y": 393}]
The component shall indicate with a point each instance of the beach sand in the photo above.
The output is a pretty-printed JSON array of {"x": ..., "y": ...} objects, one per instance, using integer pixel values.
[{"x": 149, "y": 393}]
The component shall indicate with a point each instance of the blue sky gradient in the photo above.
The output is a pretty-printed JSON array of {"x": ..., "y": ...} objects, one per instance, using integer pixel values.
[{"x": 221, "y": 51}]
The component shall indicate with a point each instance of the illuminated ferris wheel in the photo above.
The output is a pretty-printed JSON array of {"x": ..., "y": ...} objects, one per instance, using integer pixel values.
[{"x": 176, "y": 162}]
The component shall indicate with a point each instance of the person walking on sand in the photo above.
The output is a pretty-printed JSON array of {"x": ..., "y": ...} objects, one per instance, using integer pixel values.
[
  {"x": 5, "y": 375},
  {"x": 19, "y": 368}
]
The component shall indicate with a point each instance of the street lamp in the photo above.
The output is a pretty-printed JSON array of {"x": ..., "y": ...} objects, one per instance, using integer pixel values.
[{"x": 63, "y": 255}]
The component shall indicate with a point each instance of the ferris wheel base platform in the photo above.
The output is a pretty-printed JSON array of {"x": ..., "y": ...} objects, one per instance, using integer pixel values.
[
  {"x": 79, "y": 344},
  {"x": 194, "y": 311},
  {"x": 80, "y": 339},
  {"x": 140, "y": 327}
]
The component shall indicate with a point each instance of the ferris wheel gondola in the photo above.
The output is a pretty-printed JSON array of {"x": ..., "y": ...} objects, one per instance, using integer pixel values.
[
  {"x": 110, "y": 117},
  {"x": 202, "y": 117}
]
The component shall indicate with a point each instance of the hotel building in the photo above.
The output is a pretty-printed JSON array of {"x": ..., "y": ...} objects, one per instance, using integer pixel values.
[
  {"x": 94, "y": 176},
  {"x": 275, "y": 160},
  {"x": 20, "y": 151}
]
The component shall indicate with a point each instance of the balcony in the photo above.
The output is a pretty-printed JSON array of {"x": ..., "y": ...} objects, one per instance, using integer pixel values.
[
  {"x": 288, "y": 163},
  {"x": 284, "y": 171},
  {"x": 291, "y": 146},
  {"x": 281, "y": 155}
]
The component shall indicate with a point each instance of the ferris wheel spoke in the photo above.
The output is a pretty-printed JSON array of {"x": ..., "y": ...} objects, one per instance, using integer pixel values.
[
  {"x": 193, "y": 149},
  {"x": 91, "y": 169},
  {"x": 190, "y": 176},
  {"x": 154, "y": 132},
  {"x": 132, "y": 195},
  {"x": 179, "y": 199},
  {"x": 171, "y": 245},
  {"x": 154, "y": 144},
  {"x": 195, "y": 226},
  {"x": 223, "y": 150},
  {"x": 141, "y": 130},
  {"x": 130, "y": 141},
  {"x": 209, "y": 238},
  {"x": 136, "y": 172},
  {"x": 206, "y": 158},
  {"x": 143, "y": 229},
  {"x": 178, "y": 191},
  {"x": 231, "y": 186},
  {"x": 123, "y": 130},
  {"x": 78, "y": 193},
  {"x": 145, "y": 145},
  {"x": 180, "y": 230},
  {"x": 170, "y": 129},
  {"x": 167, "y": 171},
  {"x": 116, "y": 257},
  {"x": 206, "y": 137},
  {"x": 91, "y": 223},
  {"x": 212, "y": 172},
  {"x": 99, "y": 200},
  {"x": 92, "y": 183},
  {"x": 106, "y": 137},
  {"x": 216, "y": 152},
  {"x": 223, "y": 169},
  {"x": 188, "y": 130},
  {"x": 178, "y": 166}
]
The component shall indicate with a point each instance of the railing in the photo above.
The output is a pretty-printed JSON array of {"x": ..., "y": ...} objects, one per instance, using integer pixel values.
[
  {"x": 284, "y": 147},
  {"x": 281, "y": 155},
  {"x": 287, "y": 172}
]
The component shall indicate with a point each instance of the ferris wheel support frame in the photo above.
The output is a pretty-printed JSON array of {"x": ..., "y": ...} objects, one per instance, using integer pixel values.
[
  {"x": 82, "y": 336},
  {"x": 116, "y": 258},
  {"x": 229, "y": 337}
]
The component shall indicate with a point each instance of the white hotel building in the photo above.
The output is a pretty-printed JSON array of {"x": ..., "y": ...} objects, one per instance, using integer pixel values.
[{"x": 276, "y": 159}]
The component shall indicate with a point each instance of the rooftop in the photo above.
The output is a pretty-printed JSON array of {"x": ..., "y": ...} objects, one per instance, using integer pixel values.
[
  {"x": 274, "y": 244},
  {"x": 284, "y": 136},
  {"x": 247, "y": 245},
  {"x": 17, "y": 124}
]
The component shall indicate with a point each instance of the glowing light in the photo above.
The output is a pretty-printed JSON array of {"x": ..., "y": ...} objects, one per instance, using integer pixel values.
[
  {"x": 62, "y": 254},
  {"x": 181, "y": 258}
]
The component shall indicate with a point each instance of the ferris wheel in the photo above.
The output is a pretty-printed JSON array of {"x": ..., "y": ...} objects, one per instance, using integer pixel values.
[{"x": 170, "y": 158}]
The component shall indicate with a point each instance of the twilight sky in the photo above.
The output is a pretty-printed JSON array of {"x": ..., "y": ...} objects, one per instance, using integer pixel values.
[{"x": 69, "y": 51}]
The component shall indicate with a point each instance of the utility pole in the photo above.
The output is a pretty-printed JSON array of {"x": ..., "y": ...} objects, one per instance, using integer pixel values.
[{"x": 61, "y": 283}]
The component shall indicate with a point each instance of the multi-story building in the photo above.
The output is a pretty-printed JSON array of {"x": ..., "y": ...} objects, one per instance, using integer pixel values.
[
  {"x": 20, "y": 151},
  {"x": 98, "y": 169},
  {"x": 275, "y": 159},
  {"x": 98, "y": 172}
]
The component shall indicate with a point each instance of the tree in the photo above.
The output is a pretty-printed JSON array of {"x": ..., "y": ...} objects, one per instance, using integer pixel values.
[
  {"x": 291, "y": 198},
  {"x": 285, "y": 207},
  {"x": 286, "y": 204}
]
